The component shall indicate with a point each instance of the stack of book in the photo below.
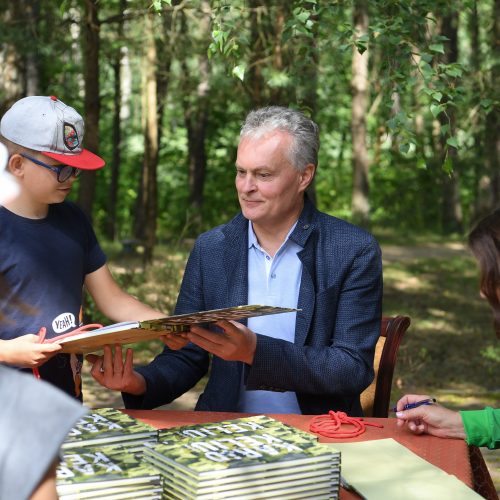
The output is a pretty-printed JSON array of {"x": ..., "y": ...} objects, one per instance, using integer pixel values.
[
  {"x": 107, "y": 427},
  {"x": 245, "y": 458},
  {"x": 109, "y": 473}
]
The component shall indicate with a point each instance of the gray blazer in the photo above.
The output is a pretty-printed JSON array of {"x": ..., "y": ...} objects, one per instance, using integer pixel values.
[{"x": 331, "y": 361}]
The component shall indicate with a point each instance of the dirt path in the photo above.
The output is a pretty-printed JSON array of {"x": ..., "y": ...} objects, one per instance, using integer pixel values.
[{"x": 393, "y": 253}]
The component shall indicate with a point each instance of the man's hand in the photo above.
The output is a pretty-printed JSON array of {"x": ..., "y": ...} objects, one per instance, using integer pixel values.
[
  {"x": 236, "y": 342},
  {"x": 111, "y": 372},
  {"x": 175, "y": 341},
  {"x": 431, "y": 419},
  {"x": 26, "y": 352}
]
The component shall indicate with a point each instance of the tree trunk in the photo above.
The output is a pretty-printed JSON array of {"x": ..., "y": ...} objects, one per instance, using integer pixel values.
[
  {"x": 256, "y": 82},
  {"x": 196, "y": 120},
  {"x": 482, "y": 179},
  {"x": 165, "y": 48},
  {"x": 359, "y": 83},
  {"x": 451, "y": 207},
  {"x": 147, "y": 213},
  {"x": 310, "y": 80},
  {"x": 32, "y": 64},
  {"x": 281, "y": 96},
  {"x": 90, "y": 32},
  {"x": 11, "y": 81},
  {"x": 117, "y": 132},
  {"x": 492, "y": 132}
]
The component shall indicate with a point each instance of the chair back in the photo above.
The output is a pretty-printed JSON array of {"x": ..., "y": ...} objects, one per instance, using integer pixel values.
[{"x": 375, "y": 399}]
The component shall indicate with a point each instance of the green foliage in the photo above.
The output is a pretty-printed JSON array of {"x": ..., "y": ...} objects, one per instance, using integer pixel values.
[
  {"x": 427, "y": 113},
  {"x": 158, "y": 4},
  {"x": 158, "y": 285}
]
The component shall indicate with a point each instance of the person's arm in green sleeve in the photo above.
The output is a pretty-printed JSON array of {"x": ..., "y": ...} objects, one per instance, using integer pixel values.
[{"x": 482, "y": 427}]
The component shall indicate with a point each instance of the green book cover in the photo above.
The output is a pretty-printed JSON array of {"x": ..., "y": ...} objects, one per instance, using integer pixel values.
[
  {"x": 90, "y": 468},
  {"x": 244, "y": 457},
  {"x": 237, "y": 426},
  {"x": 236, "y": 454},
  {"x": 107, "y": 425}
]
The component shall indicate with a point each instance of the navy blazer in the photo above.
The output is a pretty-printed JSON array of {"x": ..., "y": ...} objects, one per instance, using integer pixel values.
[{"x": 331, "y": 360}]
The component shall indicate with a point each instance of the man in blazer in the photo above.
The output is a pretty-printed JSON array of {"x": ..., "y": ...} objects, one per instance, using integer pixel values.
[{"x": 278, "y": 251}]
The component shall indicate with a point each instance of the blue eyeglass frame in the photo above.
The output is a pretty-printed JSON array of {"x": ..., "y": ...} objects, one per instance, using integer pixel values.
[{"x": 63, "y": 172}]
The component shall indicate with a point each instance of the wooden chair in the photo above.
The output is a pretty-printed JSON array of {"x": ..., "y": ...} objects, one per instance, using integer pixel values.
[{"x": 375, "y": 399}]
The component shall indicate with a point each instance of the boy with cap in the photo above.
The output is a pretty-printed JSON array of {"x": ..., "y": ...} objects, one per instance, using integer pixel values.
[
  {"x": 28, "y": 457},
  {"x": 48, "y": 249}
]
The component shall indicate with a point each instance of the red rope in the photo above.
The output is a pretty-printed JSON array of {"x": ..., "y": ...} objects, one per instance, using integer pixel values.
[{"x": 330, "y": 425}]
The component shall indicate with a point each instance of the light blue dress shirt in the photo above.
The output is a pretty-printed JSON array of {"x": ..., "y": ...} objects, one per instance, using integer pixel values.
[{"x": 273, "y": 281}]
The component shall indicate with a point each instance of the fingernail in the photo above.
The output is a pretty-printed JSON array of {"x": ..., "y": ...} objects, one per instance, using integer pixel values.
[{"x": 399, "y": 414}]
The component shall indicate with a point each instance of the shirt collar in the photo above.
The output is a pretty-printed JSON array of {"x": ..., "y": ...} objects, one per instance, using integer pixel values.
[{"x": 252, "y": 238}]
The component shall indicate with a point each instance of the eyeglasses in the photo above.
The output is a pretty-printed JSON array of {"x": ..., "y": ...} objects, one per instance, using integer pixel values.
[{"x": 63, "y": 172}]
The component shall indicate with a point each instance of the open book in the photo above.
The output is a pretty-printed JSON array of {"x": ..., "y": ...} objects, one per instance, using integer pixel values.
[{"x": 130, "y": 332}]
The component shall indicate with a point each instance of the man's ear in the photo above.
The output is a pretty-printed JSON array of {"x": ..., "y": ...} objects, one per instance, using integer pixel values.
[
  {"x": 16, "y": 165},
  {"x": 307, "y": 175}
]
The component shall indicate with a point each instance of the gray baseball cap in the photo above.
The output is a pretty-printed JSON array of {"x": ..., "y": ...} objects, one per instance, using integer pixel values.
[{"x": 47, "y": 125}]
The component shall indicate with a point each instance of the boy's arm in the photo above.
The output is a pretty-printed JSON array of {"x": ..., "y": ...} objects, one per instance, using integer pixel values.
[
  {"x": 26, "y": 352},
  {"x": 113, "y": 302}
]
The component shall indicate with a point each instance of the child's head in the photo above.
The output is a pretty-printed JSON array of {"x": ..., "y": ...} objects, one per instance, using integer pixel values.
[
  {"x": 484, "y": 241},
  {"x": 50, "y": 127}
]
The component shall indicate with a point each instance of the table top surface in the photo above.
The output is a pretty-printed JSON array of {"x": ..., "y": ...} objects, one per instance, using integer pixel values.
[{"x": 451, "y": 455}]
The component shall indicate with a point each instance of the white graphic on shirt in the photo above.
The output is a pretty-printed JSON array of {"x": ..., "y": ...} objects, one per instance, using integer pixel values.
[{"x": 63, "y": 322}]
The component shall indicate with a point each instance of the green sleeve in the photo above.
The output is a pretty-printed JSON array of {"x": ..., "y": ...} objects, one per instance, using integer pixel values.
[{"x": 482, "y": 427}]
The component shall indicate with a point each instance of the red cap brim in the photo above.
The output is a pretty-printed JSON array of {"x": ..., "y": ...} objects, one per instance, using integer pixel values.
[{"x": 85, "y": 160}]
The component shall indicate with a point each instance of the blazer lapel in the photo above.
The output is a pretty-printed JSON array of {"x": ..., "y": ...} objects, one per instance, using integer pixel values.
[
  {"x": 236, "y": 261},
  {"x": 236, "y": 270},
  {"x": 303, "y": 235}
]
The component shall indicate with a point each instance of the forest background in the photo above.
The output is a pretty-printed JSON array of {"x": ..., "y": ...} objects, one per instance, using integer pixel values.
[{"x": 406, "y": 94}]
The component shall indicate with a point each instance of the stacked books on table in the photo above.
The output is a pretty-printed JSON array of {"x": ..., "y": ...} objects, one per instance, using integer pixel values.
[
  {"x": 245, "y": 458},
  {"x": 107, "y": 427},
  {"x": 108, "y": 473}
]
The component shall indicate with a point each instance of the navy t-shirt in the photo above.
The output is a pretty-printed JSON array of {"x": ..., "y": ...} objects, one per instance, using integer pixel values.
[{"x": 44, "y": 262}]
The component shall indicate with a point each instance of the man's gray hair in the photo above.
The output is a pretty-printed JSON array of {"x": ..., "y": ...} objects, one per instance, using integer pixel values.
[{"x": 304, "y": 132}]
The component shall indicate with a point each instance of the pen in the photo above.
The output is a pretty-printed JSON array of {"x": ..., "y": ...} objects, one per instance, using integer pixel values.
[{"x": 410, "y": 406}]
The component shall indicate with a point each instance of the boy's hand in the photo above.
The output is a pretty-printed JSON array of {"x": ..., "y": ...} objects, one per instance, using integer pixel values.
[
  {"x": 26, "y": 352},
  {"x": 111, "y": 372}
]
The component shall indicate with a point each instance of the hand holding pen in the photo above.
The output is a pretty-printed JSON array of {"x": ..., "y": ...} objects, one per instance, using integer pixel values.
[
  {"x": 422, "y": 415},
  {"x": 415, "y": 404}
]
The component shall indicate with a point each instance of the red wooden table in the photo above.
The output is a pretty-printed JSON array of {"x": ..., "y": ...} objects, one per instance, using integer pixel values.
[{"x": 451, "y": 455}]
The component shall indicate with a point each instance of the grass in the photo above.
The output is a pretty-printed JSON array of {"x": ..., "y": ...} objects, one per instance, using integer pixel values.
[{"x": 450, "y": 349}]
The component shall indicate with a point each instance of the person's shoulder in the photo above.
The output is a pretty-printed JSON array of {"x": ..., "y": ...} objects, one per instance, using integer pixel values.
[
  {"x": 342, "y": 228},
  {"x": 235, "y": 227}
]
